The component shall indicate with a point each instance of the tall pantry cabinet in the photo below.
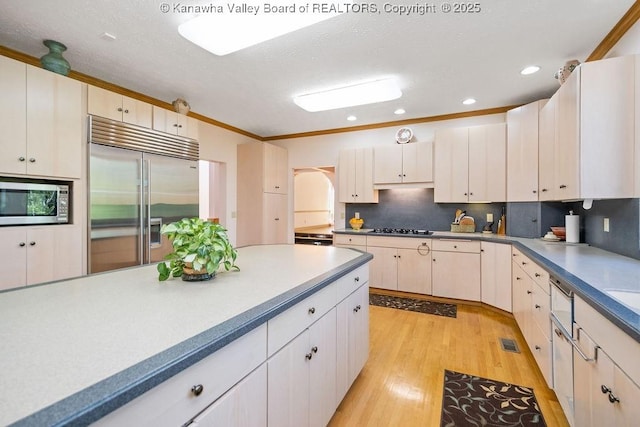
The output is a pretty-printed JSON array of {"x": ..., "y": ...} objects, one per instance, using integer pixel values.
[{"x": 263, "y": 186}]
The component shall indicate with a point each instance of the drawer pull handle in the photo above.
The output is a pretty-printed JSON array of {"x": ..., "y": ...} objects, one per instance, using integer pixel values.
[
  {"x": 357, "y": 308},
  {"x": 538, "y": 348},
  {"x": 538, "y": 274},
  {"x": 524, "y": 263},
  {"x": 22, "y": 244},
  {"x": 538, "y": 306},
  {"x": 613, "y": 398},
  {"x": 314, "y": 349},
  {"x": 518, "y": 278},
  {"x": 32, "y": 160},
  {"x": 308, "y": 356},
  {"x": 563, "y": 186},
  {"x": 455, "y": 246},
  {"x": 197, "y": 389},
  {"x": 312, "y": 310},
  {"x": 21, "y": 159},
  {"x": 529, "y": 292},
  {"x": 356, "y": 279},
  {"x": 32, "y": 243}
]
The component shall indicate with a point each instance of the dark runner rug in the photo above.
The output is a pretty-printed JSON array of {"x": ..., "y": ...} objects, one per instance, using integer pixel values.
[
  {"x": 412, "y": 304},
  {"x": 477, "y": 401}
]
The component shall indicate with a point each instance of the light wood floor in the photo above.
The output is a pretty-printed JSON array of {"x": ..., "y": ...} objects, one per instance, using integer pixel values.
[{"x": 402, "y": 382}]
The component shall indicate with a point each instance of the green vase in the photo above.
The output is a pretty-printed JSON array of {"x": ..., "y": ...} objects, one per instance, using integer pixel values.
[{"x": 53, "y": 61}]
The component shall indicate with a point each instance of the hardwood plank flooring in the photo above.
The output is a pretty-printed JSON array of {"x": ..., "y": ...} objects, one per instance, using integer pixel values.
[{"x": 402, "y": 382}]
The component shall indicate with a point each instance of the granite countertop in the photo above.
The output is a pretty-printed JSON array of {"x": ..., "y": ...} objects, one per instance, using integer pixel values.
[
  {"x": 594, "y": 274},
  {"x": 73, "y": 350}
]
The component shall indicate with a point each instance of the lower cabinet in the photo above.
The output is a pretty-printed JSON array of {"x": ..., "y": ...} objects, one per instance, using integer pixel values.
[
  {"x": 244, "y": 405},
  {"x": 456, "y": 269},
  {"x": 352, "y": 338},
  {"x": 606, "y": 374},
  {"x": 400, "y": 264},
  {"x": 39, "y": 254},
  {"x": 302, "y": 377},
  {"x": 495, "y": 275},
  {"x": 531, "y": 309}
]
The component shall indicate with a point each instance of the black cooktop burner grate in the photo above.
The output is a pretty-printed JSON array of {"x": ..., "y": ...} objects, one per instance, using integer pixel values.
[{"x": 386, "y": 230}]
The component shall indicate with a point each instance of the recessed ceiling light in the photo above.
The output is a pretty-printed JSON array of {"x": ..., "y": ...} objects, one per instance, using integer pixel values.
[
  {"x": 348, "y": 96},
  {"x": 530, "y": 70},
  {"x": 469, "y": 101},
  {"x": 229, "y": 28},
  {"x": 399, "y": 111},
  {"x": 352, "y": 118}
]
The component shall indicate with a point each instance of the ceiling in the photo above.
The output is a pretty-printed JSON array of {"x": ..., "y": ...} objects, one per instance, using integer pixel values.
[{"x": 439, "y": 59}]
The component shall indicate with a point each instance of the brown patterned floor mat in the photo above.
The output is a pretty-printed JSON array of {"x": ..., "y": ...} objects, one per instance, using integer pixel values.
[{"x": 413, "y": 304}]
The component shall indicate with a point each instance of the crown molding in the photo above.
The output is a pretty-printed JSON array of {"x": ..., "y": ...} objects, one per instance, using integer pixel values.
[{"x": 616, "y": 33}]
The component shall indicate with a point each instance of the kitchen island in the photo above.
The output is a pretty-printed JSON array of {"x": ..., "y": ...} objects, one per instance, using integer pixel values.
[{"x": 75, "y": 350}]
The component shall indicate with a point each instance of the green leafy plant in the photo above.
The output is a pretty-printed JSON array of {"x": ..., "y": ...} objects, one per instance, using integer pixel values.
[{"x": 197, "y": 244}]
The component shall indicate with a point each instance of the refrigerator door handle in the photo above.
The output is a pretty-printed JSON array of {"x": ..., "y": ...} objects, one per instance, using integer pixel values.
[
  {"x": 145, "y": 203},
  {"x": 155, "y": 238}
]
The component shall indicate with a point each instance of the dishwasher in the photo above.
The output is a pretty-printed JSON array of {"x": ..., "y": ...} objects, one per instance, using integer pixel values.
[{"x": 562, "y": 345}]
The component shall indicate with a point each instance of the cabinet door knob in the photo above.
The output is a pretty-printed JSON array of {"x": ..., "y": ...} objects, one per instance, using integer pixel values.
[
  {"x": 434, "y": 260},
  {"x": 563, "y": 186},
  {"x": 535, "y": 191},
  {"x": 400, "y": 175},
  {"x": 32, "y": 160},
  {"x": 524, "y": 263},
  {"x": 613, "y": 398},
  {"x": 471, "y": 194},
  {"x": 277, "y": 186},
  {"x": 538, "y": 306},
  {"x": 517, "y": 278},
  {"x": 312, "y": 310},
  {"x": 465, "y": 194},
  {"x": 21, "y": 159},
  {"x": 356, "y": 279},
  {"x": 32, "y": 243},
  {"x": 537, "y": 274},
  {"x": 277, "y": 219},
  {"x": 22, "y": 244},
  {"x": 538, "y": 348},
  {"x": 119, "y": 109},
  {"x": 544, "y": 190},
  {"x": 175, "y": 125},
  {"x": 308, "y": 356},
  {"x": 455, "y": 246},
  {"x": 314, "y": 349},
  {"x": 604, "y": 389},
  {"x": 126, "y": 111},
  {"x": 197, "y": 389},
  {"x": 529, "y": 292}
]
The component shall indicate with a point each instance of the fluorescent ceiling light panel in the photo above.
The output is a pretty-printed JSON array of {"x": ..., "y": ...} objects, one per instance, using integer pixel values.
[
  {"x": 348, "y": 96},
  {"x": 229, "y": 26}
]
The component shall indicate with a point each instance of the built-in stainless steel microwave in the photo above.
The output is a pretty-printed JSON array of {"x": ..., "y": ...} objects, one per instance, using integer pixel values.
[{"x": 24, "y": 203}]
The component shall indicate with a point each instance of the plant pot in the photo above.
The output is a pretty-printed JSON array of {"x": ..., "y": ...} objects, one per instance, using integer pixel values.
[{"x": 191, "y": 275}]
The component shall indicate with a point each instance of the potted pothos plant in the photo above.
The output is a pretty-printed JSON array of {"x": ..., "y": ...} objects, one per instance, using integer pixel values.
[{"x": 200, "y": 247}]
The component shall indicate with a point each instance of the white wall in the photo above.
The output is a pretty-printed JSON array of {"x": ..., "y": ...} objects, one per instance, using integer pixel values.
[
  {"x": 312, "y": 205},
  {"x": 220, "y": 145},
  {"x": 629, "y": 44},
  {"x": 323, "y": 150}
]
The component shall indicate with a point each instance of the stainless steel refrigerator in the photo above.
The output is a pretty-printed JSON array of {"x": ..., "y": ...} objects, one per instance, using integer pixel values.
[{"x": 134, "y": 190}]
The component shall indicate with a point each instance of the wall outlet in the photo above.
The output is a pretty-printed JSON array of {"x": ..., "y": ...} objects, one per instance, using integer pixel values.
[{"x": 606, "y": 225}]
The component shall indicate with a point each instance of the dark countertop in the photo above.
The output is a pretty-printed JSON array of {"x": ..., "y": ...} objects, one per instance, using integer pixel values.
[{"x": 593, "y": 274}]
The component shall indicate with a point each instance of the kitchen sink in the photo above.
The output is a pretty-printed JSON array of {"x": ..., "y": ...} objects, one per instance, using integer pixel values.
[{"x": 629, "y": 298}]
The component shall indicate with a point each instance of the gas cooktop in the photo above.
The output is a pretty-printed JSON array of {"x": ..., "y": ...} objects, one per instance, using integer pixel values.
[{"x": 401, "y": 231}]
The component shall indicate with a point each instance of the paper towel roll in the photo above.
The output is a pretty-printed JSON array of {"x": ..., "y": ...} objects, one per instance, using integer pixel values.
[{"x": 572, "y": 226}]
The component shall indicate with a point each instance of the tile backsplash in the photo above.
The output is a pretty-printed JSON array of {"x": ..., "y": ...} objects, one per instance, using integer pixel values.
[{"x": 415, "y": 208}]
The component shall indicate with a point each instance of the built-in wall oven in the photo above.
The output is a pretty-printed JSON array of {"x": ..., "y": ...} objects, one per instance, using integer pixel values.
[{"x": 27, "y": 202}]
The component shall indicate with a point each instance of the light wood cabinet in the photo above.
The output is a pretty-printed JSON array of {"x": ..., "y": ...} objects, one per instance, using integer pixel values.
[
  {"x": 470, "y": 164},
  {"x": 177, "y": 124},
  {"x": 590, "y": 123},
  {"x": 350, "y": 241},
  {"x": 44, "y": 122},
  {"x": 39, "y": 254},
  {"x": 276, "y": 176},
  {"x": 603, "y": 393},
  {"x": 302, "y": 377},
  {"x": 495, "y": 275},
  {"x": 399, "y": 263},
  {"x": 352, "y": 338},
  {"x": 531, "y": 309},
  {"x": 263, "y": 216},
  {"x": 522, "y": 152},
  {"x": 403, "y": 164},
  {"x": 456, "y": 269},
  {"x": 111, "y": 105},
  {"x": 245, "y": 405},
  {"x": 355, "y": 176},
  {"x": 13, "y": 120},
  {"x": 274, "y": 228}
]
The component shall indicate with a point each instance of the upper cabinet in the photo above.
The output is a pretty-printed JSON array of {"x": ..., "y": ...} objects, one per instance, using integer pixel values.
[
  {"x": 43, "y": 121},
  {"x": 403, "y": 164},
  {"x": 171, "y": 122},
  {"x": 587, "y": 132},
  {"x": 522, "y": 152},
  {"x": 470, "y": 164},
  {"x": 118, "y": 107},
  {"x": 355, "y": 176},
  {"x": 275, "y": 161}
]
